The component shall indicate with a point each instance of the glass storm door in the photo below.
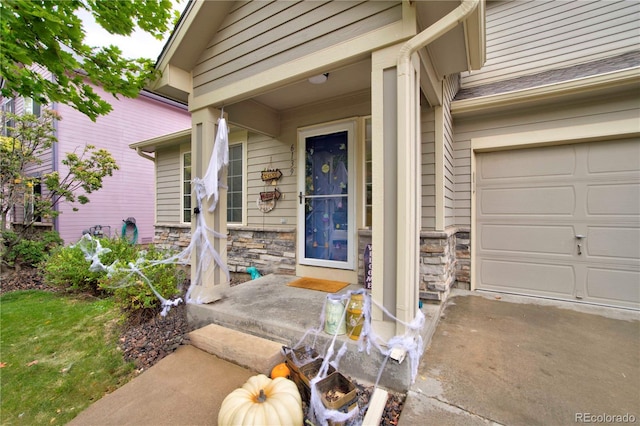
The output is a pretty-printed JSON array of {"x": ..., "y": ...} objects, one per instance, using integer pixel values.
[{"x": 326, "y": 207}]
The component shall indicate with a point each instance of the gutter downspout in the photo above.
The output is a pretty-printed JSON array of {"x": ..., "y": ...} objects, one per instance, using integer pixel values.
[
  {"x": 409, "y": 163},
  {"x": 436, "y": 30},
  {"x": 143, "y": 155}
]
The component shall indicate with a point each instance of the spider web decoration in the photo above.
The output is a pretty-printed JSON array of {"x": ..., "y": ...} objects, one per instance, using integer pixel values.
[
  {"x": 411, "y": 342},
  {"x": 206, "y": 188}
]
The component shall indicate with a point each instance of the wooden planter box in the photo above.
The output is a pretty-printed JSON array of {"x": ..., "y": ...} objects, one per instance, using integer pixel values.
[{"x": 338, "y": 393}]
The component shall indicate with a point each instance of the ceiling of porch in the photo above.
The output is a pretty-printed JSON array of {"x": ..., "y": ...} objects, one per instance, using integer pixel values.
[{"x": 348, "y": 79}]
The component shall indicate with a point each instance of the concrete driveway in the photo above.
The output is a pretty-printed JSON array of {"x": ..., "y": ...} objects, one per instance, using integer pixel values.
[{"x": 498, "y": 359}]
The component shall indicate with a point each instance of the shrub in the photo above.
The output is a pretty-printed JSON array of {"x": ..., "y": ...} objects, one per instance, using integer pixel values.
[
  {"x": 67, "y": 267},
  {"x": 32, "y": 251},
  {"x": 133, "y": 293}
]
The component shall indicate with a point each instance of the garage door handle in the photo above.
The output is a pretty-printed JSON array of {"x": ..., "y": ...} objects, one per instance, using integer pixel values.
[{"x": 579, "y": 237}]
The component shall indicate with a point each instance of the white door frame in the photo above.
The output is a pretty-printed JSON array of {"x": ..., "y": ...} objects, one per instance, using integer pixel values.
[{"x": 350, "y": 126}]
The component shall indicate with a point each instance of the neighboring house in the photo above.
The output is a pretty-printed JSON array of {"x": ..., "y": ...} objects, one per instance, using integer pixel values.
[
  {"x": 130, "y": 191},
  {"x": 517, "y": 174}
]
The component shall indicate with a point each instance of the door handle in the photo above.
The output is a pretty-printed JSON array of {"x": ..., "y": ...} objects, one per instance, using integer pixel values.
[
  {"x": 301, "y": 197},
  {"x": 579, "y": 237}
]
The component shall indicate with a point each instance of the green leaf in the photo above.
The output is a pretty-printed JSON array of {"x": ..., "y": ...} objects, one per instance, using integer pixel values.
[{"x": 50, "y": 34}]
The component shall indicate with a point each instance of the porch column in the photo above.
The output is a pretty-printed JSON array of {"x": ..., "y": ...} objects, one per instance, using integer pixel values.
[
  {"x": 396, "y": 155},
  {"x": 213, "y": 281},
  {"x": 409, "y": 190},
  {"x": 384, "y": 147}
]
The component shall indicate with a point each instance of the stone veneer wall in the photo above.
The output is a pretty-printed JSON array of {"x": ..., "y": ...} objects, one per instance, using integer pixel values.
[
  {"x": 463, "y": 259},
  {"x": 172, "y": 237},
  {"x": 270, "y": 250},
  {"x": 445, "y": 257},
  {"x": 445, "y": 262}
]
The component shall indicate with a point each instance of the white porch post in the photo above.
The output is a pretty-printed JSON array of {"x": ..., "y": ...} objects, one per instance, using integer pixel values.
[
  {"x": 384, "y": 146},
  {"x": 213, "y": 281},
  {"x": 396, "y": 169},
  {"x": 409, "y": 191}
]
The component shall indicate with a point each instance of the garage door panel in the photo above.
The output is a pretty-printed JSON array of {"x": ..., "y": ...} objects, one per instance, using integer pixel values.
[
  {"x": 624, "y": 158},
  {"x": 614, "y": 242},
  {"x": 614, "y": 286},
  {"x": 614, "y": 199},
  {"x": 526, "y": 277},
  {"x": 532, "y": 206},
  {"x": 552, "y": 200},
  {"x": 516, "y": 164},
  {"x": 527, "y": 239}
]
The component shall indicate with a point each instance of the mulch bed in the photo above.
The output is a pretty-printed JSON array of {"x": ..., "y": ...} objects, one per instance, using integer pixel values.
[{"x": 146, "y": 343}]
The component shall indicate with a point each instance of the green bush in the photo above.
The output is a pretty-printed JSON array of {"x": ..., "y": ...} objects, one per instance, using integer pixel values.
[
  {"x": 133, "y": 293},
  {"x": 67, "y": 267},
  {"x": 30, "y": 252}
]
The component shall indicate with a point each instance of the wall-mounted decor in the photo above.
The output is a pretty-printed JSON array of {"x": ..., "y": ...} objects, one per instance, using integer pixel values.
[
  {"x": 270, "y": 195},
  {"x": 271, "y": 175},
  {"x": 267, "y": 200}
]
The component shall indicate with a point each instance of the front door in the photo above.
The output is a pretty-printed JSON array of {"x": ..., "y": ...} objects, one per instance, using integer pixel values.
[{"x": 326, "y": 206}]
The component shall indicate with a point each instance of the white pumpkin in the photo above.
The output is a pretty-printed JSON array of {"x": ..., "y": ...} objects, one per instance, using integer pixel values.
[{"x": 262, "y": 401}]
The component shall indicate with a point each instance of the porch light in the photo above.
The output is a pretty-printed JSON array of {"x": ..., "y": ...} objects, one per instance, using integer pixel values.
[{"x": 319, "y": 79}]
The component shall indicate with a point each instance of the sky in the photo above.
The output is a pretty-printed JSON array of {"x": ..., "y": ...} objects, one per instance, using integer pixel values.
[{"x": 138, "y": 45}]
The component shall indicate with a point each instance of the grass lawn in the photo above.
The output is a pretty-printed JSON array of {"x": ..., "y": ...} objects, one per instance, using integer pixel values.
[{"x": 58, "y": 354}]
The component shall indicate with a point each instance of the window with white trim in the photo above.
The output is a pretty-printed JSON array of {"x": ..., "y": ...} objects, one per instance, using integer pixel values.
[
  {"x": 33, "y": 191},
  {"x": 186, "y": 187},
  {"x": 8, "y": 107},
  {"x": 368, "y": 167},
  {"x": 235, "y": 184},
  {"x": 32, "y": 107}
]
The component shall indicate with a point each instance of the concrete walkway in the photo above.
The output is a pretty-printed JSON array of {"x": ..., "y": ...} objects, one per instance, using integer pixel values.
[
  {"x": 184, "y": 388},
  {"x": 498, "y": 359}
]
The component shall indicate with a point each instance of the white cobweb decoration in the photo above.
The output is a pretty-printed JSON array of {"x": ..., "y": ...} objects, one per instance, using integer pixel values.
[
  {"x": 206, "y": 188},
  {"x": 410, "y": 342}
]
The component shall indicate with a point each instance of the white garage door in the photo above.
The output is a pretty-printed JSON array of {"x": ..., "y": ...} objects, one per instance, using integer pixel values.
[{"x": 561, "y": 222}]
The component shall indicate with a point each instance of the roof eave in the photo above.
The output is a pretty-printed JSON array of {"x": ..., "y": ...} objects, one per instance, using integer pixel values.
[
  {"x": 196, "y": 27},
  {"x": 615, "y": 81},
  {"x": 171, "y": 139}
]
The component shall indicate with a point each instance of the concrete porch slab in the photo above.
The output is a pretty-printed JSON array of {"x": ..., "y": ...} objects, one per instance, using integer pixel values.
[{"x": 270, "y": 309}]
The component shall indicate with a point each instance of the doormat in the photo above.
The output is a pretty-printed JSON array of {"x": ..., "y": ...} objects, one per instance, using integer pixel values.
[{"x": 318, "y": 284}]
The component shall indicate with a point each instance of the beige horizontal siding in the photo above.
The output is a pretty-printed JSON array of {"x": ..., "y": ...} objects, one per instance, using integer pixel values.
[
  {"x": 428, "y": 169},
  {"x": 257, "y": 36},
  {"x": 529, "y": 37},
  {"x": 450, "y": 87},
  {"x": 264, "y": 152},
  {"x": 168, "y": 181}
]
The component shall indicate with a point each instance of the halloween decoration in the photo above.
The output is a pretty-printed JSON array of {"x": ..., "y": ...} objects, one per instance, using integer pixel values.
[{"x": 262, "y": 401}]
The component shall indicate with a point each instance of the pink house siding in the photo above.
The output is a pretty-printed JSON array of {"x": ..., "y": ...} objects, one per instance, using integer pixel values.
[{"x": 130, "y": 192}]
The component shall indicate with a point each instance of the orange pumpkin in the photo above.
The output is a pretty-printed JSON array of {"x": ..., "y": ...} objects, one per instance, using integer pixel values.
[{"x": 280, "y": 370}]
